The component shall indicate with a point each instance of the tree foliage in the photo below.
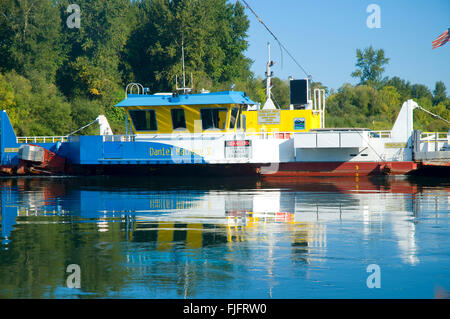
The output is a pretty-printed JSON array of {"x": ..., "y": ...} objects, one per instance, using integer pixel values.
[
  {"x": 55, "y": 79},
  {"x": 30, "y": 38},
  {"x": 212, "y": 34},
  {"x": 365, "y": 106},
  {"x": 370, "y": 65},
  {"x": 37, "y": 108},
  {"x": 439, "y": 93},
  {"x": 375, "y": 102}
]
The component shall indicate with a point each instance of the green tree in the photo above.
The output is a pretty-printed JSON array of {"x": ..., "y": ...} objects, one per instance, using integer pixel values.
[
  {"x": 84, "y": 111},
  {"x": 403, "y": 87},
  {"x": 365, "y": 106},
  {"x": 91, "y": 66},
  {"x": 213, "y": 36},
  {"x": 370, "y": 66},
  {"x": 30, "y": 37},
  {"x": 390, "y": 102},
  {"x": 439, "y": 93},
  {"x": 6, "y": 94},
  {"x": 419, "y": 91},
  {"x": 39, "y": 108}
]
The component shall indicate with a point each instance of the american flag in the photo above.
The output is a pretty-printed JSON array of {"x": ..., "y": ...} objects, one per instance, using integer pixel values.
[{"x": 442, "y": 39}]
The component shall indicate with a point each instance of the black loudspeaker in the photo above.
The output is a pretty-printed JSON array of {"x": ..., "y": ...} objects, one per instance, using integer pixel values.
[{"x": 298, "y": 92}]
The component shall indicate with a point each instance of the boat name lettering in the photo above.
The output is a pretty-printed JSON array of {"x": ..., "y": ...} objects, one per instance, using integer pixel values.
[
  {"x": 395, "y": 145},
  {"x": 11, "y": 150},
  {"x": 170, "y": 151}
]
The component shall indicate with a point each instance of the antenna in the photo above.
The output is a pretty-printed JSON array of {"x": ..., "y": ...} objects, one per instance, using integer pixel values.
[
  {"x": 276, "y": 39},
  {"x": 184, "y": 88},
  {"x": 269, "y": 103},
  {"x": 269, "y": 73},
  {"x": 182, "y": 62}
]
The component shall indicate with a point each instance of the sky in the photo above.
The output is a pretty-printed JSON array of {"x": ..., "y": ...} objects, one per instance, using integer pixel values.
[{"x": 323, "y": 36}]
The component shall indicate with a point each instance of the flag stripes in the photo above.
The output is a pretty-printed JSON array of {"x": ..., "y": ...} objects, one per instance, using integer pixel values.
[{"x": 442, "y": 39}]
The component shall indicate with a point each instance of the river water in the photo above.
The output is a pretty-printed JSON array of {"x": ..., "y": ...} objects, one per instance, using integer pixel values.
[{"x": 123, "y": 237}]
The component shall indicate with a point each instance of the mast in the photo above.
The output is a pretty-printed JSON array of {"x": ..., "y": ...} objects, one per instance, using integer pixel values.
[
  {"x": 269, "y": 73},
  {"x": 269, "y": 105},
  {"x": 184, "y": 89},
  {"x": 182, "y": 63}
]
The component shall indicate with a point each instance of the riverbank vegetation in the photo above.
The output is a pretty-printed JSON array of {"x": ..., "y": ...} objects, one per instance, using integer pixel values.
[{"x": 56, "y": 77}]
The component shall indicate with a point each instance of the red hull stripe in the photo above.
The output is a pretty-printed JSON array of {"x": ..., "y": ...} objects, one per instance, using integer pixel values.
[{"x": 341, "y": 168}]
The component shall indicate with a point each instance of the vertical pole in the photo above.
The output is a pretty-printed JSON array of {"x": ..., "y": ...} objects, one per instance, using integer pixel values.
[
  {"x": 268, "y": 75},
  {"x": 323, "y": 107},
  {"x": 126, "y": 122},
  {"x": 436, "y": 139},
  {"x": 184, "y": 75}
]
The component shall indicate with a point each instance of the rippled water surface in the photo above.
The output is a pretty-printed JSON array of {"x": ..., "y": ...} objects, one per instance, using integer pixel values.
[{"x": 224, "y": 238}]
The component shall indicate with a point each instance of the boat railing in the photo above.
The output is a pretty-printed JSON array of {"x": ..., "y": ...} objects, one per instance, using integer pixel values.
[
  {"x": 54, "y": 139},
  {"x": 271, "y": 135},
  {"x": 434, "y": 141},
  {"x": 319, "y": 105},
  {"x": 118, "y": 138},
  {"x": 131, "y": 87},
  {"x": 40, "y": 139},
  {"x": 434, "y": 137},
  {"x": 211, "y": 135}
]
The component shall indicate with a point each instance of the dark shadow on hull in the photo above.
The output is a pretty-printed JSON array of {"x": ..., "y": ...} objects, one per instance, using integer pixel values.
[
  {"x": 169, "y": 170},
  {"x": 432, "y": 171}
]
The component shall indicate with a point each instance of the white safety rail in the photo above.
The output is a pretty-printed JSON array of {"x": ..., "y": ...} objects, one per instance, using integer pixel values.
[
  {"x": 130, "y": 89},
  {"x": 132, "y": 138},
  {"x": 270, "y": 135},
  {"x": 435, "y": 141},
  {"x": 40, "y": 139},
  {"x": 432, "y": 146},
  {"x": 199, "y": 136},
  {"x": 118, "y": 138},
  {"x": 319, "y": 105}
]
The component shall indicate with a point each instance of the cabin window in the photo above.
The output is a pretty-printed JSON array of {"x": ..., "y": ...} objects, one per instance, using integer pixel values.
[
  {"x": 235, "y": 118},
  {"x": 178, "y": 119},
  {"x": 214, "y": 118},
  {"x": 144, "y": 120}
]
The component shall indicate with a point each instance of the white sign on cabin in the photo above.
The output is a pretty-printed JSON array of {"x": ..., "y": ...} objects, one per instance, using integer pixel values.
[{"x": 268, "y": 117}]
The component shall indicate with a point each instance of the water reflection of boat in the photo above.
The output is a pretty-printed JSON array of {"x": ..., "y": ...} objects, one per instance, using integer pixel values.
[
  {"x": 199, "y": 217},
  {"x": 401, "y": 185}
]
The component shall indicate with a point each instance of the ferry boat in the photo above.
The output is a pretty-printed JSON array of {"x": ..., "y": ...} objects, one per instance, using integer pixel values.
[{"x": 229, "y": 133}]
